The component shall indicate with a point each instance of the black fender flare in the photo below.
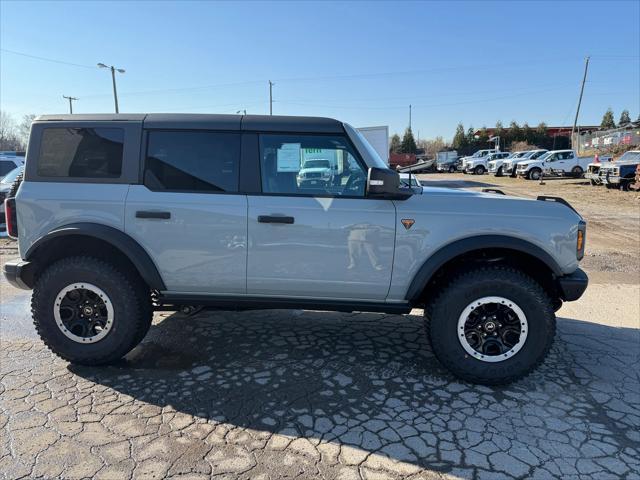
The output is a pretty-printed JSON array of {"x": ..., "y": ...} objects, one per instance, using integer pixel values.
[
  {"x": 117, "y": 238},
  {"x": 466, "y": 245}
]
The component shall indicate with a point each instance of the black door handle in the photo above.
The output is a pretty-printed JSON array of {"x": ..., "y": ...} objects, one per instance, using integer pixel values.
[
  {"x": 152, "y": 214},
  {"x": 275, "y": 219}
]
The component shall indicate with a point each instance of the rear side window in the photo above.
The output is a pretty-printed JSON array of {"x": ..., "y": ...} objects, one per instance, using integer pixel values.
[
  {"x": 81, "y": 152},
  {"x": 192, "y": 161},
  {"x": 6, "y": 166}
]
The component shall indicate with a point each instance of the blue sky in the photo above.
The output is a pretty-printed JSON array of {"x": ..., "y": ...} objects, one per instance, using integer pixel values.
[{"x": 361, "y": 62}]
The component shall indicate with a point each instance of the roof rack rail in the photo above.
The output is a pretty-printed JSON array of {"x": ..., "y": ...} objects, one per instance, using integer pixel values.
[
  {"x": 546, "y": 198},
  {"x": 493, "y": 190}
]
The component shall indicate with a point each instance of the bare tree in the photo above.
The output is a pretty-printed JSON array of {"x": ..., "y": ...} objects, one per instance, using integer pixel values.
[
  {"x": 25, "y": 128},
  {"x": 9, "y": 137}
]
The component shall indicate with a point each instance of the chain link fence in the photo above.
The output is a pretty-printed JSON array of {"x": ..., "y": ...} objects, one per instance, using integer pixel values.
[{"x": 610, "y": 139}]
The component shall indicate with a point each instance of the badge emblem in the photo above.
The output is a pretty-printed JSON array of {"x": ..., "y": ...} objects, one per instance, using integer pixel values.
[{"x": 408, "y": 222}]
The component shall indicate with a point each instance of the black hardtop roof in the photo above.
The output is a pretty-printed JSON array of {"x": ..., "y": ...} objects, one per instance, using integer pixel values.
[{"x": 205, "y": 121}]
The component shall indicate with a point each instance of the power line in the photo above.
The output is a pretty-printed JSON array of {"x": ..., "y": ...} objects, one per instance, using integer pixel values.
[{"x": 45, "y": 59}]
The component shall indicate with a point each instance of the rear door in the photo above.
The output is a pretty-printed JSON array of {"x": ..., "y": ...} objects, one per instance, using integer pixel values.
[
  {"x": 317, "y": 237},
  {"x": 188, "y": 213}
]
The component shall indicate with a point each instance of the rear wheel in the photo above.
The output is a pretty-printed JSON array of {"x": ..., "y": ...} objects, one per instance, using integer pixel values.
[
  {"x": 535, "y": 174},
  {"x": 89, "y": 312},
  {"x": 577, "y": 172},
  {"x": 492, "y": 325},
  {"x": 452, "y": 169}
]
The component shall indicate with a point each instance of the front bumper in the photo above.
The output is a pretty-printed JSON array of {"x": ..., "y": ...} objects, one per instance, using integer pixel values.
[
  {"x": 572, "y": 286},
  {"x": 19, "y": 273},
  {"x": 611, "y": 179}
]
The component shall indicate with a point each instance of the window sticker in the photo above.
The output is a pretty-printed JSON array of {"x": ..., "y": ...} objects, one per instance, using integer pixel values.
[{"x": 288, "y": 157}]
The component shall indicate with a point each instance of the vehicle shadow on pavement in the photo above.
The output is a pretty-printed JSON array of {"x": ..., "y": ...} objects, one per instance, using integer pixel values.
[{"x": 369, "y": 381}]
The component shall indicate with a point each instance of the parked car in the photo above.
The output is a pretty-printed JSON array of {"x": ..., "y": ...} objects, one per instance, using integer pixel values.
[
  {"x": 593, "y": 169},
  {"x": 477, "y": 155},
  {"x": 480, "y": 165},
  {"x": 495, "y": 165},
  {"x": 620, "y": 173},
  {"x": 5, "y": 187},
  {"x": 314, "y": 172},
  {"x": 555, "y": 162},
  {"x": 447, "y": 161},
  {"x": 509, "y": 164},
  {"x": 172, "y": 212}
]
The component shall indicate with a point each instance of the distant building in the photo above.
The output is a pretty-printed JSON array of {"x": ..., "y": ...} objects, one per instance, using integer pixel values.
[{"x": 551, "y": 131}]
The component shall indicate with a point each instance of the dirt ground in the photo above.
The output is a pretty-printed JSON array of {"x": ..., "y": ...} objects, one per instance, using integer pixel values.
[{"x": 613, "y": 218}]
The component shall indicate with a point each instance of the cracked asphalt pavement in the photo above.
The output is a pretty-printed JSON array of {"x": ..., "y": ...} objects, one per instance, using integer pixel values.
[{"x": 292, "y": 394}]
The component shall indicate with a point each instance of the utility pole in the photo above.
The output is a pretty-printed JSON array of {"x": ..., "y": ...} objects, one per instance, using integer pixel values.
[
  {"x": 113, "y": 79},
  {"x": 409, "y": 116},
  {"x": 575, "y": 121},
  {"x": 71, "y": 99},
  {"x": 271, "y": 84}
]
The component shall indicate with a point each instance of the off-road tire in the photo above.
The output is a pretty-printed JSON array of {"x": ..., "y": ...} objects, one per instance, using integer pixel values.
[
  {"x": 445, "y": 310},
  {"x": 534, "y": 174},
  {"x": 14, "y": 186},
  {"x": 129, "y": 297}
]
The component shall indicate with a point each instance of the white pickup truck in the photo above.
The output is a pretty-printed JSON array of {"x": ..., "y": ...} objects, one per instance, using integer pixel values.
[
  {"x": 555, "y": 162},
  {"x": 478, "y": 166},
  {"x": 476, "y": 156}
]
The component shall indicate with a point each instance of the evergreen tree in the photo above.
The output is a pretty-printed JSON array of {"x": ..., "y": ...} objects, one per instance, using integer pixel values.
[
  {"x": 541, "y": 138},
  {"x": 624, "y": 118},
  {"x": 607, "y": 120},
  {"x": 395, "y": 144},
  {"x": 471, "y": 136},
  {"x": 408, "y": 142},
  {"x": 515, "y": 133},
  {"x": 527, "y": 133},
  {"x": 459, "y": 140}
]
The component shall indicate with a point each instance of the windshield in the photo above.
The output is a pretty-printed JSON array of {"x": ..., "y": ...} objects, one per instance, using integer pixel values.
[
  {"x": 316, "y": 164},
  {"x": 545, "y": 156},
  {"x": 11, "y": 176},
  {"x": 629, "y": 156},
  {"x": 369, "y": 154},
  {"x": 479, "y": 153}
]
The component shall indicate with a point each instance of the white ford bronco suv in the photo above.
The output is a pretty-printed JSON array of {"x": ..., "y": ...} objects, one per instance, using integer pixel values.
[{"x": 118, "y": 216}]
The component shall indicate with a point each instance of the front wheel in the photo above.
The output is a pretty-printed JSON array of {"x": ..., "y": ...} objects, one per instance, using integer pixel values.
[
  {"x": 89, "y": 312},
  {"x": 452, "y": 169},
  {"x": 535, "y": 174},
  {"x": 491, "y": 325},
  {"x": 479, "y": 170},
  {"x": 499, "y": 172},
  {"x": 577, "y": 172}
]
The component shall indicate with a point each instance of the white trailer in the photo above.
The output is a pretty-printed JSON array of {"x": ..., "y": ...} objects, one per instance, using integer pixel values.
[{"x": 378, "y": 137}]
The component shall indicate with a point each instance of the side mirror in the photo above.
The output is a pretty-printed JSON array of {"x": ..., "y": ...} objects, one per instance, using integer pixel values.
[{"x": 385, "y": 183}]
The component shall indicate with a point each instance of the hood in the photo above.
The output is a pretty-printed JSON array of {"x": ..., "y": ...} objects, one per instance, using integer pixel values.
[
  {"x": 527, "y": 162},
  {"x": 315, "y": 170}
]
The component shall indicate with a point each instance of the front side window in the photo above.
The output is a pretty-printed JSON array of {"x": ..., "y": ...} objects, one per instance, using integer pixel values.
[
  {"x": 192, "y": 161},
  {"x": 81, "y": 152},
  {"x": 310, "y": 165}
]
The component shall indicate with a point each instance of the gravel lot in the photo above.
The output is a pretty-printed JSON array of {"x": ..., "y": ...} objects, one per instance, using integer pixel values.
[{"x": 292, "y": 394}]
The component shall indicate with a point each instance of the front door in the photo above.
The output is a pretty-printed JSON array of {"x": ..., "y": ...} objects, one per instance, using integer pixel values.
[{"x": 312, "y": 233}]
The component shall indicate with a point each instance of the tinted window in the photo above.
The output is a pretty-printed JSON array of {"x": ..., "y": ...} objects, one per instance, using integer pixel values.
[
  {"x": 193, "y": 161},
  {"x": 5, "y": 167},
  {"x": 310, "y": 165},
  {"x": 81, "y": 152}
]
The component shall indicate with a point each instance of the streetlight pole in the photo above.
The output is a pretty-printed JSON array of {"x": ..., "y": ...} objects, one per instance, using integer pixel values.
[
  {"x": 271, "y": 84},
  {"x": 113, "y": 79},
  {"x": 71, "y": 99}
]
